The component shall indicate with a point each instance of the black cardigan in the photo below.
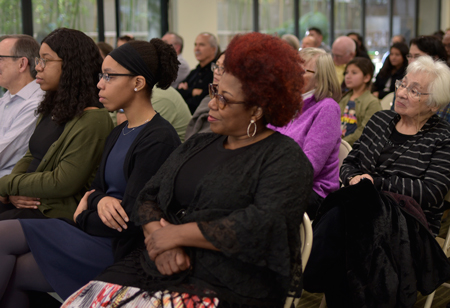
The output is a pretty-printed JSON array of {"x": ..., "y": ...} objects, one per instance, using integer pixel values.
[
  {"x": 420, "y": 168},
  {"x": 382, "y": 79},
  {"x": 250, "y": 207},
  {"x": 147, "y": 153}
]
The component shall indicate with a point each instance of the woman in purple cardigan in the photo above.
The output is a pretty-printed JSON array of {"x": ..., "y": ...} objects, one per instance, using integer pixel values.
[{"x": 317, "y": 129}]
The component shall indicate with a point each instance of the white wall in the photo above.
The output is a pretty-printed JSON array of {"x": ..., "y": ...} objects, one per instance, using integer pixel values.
[{"x": 191, "y": 17}]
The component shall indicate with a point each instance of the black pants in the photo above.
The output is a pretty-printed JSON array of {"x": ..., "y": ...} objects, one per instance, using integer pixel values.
[
  {"x": 314, "y": 202},
  {"x": 9, "y": 211}
]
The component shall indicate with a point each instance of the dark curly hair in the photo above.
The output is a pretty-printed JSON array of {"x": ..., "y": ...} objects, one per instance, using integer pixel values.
[
  {"x": 387, "y": 68},
  {"x": 430, "y": 45},
  {"x": 81, "y": 63},
  {"x": 270, "y": 73},
  {"x": 161, "y": 59}
]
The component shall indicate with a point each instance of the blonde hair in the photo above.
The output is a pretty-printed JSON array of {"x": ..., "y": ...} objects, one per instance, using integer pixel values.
[
  {"x": 439, "y": 85},
  {"x": 327, "y": 84}
]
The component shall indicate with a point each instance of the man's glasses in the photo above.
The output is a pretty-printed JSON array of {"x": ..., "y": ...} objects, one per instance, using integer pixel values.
[
  {"x": 11, "y": 56},
  {"x": 107, "y": 76},
  {"x": 221, "y": 101},
  {"x": 220, "y": 69},
  {"x": 413, "y": 93},
  {"x": 43, "y": 62}
]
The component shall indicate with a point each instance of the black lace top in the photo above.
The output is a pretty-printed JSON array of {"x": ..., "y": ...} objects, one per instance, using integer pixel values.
[{"x": 250, "y": 207}]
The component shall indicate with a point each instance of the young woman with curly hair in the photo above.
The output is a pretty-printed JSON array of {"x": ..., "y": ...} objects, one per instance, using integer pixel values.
[
  {"x": 67, "y": 144},
  {"x": 51, "y": 254},
  {"x": 221, "y": 217}
]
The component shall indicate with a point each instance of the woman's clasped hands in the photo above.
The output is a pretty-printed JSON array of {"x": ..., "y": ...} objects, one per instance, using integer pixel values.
[{"x": 163, "y": 249}]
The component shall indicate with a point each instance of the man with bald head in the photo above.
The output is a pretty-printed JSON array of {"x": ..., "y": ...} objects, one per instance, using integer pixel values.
[
  {"x": 343, "y": 50},
  {"x": 195, "y": 86},
  {"x": 309, "y": 41},
  {"x": 176, "y": 41}
]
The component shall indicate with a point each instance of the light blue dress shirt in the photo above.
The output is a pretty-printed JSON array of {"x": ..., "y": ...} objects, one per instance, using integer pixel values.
[{"x": 17, "y": 123}]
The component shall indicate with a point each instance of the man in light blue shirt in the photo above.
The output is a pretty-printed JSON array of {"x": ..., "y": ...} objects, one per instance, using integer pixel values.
[{"x": 19, "y": 103}]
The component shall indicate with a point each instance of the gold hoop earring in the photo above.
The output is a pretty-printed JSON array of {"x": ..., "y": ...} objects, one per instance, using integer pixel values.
[{"x": 248, "y": 129}]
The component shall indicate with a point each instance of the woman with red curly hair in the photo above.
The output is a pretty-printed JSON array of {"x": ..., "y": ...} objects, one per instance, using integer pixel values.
[{"x": 221, "y": 217}]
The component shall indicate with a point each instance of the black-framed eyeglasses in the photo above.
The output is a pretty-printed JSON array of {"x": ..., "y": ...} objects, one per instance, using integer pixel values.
[
  {"x": 43, "y": 62},
  {"x": 108, "y": 76},
  {"x": 15, "y": 57},
  {"x": 222, "y": 102},
  {"x": 413, "y": 93},
  {"x": 220, "y": 69}
]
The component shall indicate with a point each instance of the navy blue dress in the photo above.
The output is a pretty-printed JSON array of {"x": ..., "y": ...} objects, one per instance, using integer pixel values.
[{"x": 68, "y": 256}]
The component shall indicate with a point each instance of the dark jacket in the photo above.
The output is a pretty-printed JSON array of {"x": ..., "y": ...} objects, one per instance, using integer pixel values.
[
  {"x": 370, "y": 251},
  {"x": 147, "y": 153},
  {"x": 249, "y": 207},
  {"x": 382, "y": 79},
  {"x": 198, "y": 78}
]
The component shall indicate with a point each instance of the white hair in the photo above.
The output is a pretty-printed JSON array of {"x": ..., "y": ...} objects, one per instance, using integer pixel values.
[{"x": 440, "y": 79}]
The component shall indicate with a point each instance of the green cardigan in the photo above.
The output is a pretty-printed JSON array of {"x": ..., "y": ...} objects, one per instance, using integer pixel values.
[
  {"x": 365, "y": 106},
  {"x": 67, "y": 169}
]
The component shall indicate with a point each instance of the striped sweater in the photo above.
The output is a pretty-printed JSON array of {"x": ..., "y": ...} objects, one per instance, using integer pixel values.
[{"x": 420, "y": 168}]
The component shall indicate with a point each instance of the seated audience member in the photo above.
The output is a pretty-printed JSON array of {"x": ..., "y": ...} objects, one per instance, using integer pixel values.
[
  {"x": 199, "y": 122},
  {"x": 195, "y": 86},
  {"x": 67, "y": 144},
  {"x": 227, "y": 204},
  {"x": 317, "y": 130},
  {"x": 171, "y": 106},
  {"x": 308, "y": 41},
  {"x": 343, "y": 50},
  {"x": 405, "y": 155},
  {"x": 292, "y": 40},
  {"x": 105, "y": 49},
  {"x": 52, "y": 255},
  {"x": 18, "y": 105},
  {"x": 317, "y": 34},
  {"x": 393, "y": 69},
  {"x": 177, "y": 42},
  {"x": 358, "y": 104},
  {"x": 361, "y": 50},
  {"x": 446, "y": 43},
  {"x": 124, "y": 39},
  {"x": 395, "y": 39}
]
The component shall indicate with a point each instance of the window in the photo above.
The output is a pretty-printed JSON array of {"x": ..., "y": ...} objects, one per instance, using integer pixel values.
[
  {"x": 11, "y": 17},
  {"x": 348, "y": 17},
  {"x": 49, "y": 15},
  {"x": 276, "y": 16},
  {"x": 233, "y": 17},
  {"x": 140, "y": 19},
  {"x": 315, "y": 13}
]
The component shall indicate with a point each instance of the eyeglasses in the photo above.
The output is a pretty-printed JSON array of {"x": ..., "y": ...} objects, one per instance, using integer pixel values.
[
  {"x": 410, "y": 56},
  {"x": 220, "y": 69},
  {"x": 310, "y": 71},
  {"x": 15, "y": 57},
  {"x": 221, "y": 101},
  {"x": 107, "y": 76},
  {"x": 413, "y": 93},
  {"x": 43, "y": 62}
]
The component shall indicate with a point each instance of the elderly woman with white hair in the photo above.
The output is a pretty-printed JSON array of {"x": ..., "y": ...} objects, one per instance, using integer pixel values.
[
  {"x": 408, "y": 151},
  {"x": 317, "y": 129},
  {"x": 374, "y": 240}
]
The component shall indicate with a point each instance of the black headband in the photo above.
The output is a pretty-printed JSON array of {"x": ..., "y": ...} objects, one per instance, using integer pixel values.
[{"x": 129, "y": 58}]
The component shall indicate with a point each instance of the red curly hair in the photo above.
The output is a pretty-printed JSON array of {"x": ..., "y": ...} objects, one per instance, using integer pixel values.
[{"x": 270, "y": 73}]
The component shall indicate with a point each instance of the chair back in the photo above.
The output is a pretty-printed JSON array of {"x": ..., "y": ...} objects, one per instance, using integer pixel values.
[
  {"x": 344, "y": 149},
  {"x": 386, "y": 102},
  {"x": 306, "y": 237}
]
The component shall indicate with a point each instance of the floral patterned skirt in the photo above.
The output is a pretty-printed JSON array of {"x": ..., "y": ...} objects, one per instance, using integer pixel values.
[{"x": 98, "y": 294}]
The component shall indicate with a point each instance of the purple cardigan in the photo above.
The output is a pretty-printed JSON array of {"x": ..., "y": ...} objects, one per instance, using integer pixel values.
[{"x": 318, "y": 132}]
